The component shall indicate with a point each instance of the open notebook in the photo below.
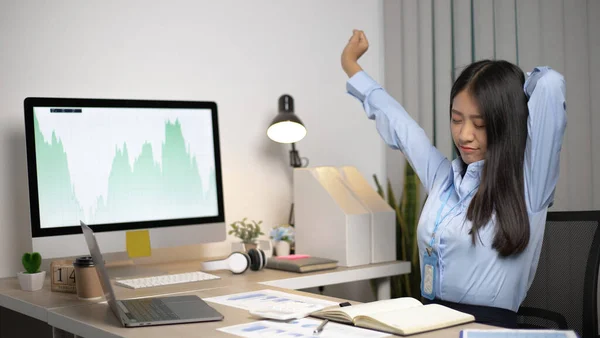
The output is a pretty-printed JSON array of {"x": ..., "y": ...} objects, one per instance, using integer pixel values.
[{"x": 402, "y": 316}]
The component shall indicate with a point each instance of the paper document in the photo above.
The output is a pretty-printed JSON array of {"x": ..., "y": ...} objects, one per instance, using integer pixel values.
[
  {"x": 264, "y": 299},
  {"x": 298, "y": 328},
  {"x": 505, "y": 333}
]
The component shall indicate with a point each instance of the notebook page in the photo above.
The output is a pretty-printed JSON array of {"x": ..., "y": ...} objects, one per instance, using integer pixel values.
[
  {"x": 418, "y": 319},
  {"x": 381, "y": 306}
]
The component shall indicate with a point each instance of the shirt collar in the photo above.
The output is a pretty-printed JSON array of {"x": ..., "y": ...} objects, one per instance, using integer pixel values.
[{"x": 470, "y": 181}]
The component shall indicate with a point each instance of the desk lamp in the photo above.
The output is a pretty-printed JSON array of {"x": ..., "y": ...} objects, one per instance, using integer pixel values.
[{"x": 286, "y": 127}]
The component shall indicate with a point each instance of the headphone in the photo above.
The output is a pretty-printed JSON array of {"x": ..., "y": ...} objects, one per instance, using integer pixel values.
[{"x": 238, "y": 262}]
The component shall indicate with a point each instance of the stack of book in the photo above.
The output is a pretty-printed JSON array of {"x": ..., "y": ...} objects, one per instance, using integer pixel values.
[{"x": 300, "y": 263}]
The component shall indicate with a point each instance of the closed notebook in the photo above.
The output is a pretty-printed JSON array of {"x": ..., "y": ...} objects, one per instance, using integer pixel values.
[
  {"x": 301, "y": 264},
  {"x": 403, "y": 316}
]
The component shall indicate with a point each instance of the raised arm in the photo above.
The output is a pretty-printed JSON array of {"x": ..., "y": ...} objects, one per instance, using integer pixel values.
[
  {"x": 546, "y": 127},
  {"x": 393, "y": 123}
]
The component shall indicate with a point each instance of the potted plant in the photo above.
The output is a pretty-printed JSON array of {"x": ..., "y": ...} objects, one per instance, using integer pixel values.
[
  {"x": 32, "y": 279},
  {"x": 407, "y": 210},
  {"x": 248, "y": 232},
  {"x": 283, "y": 236}
]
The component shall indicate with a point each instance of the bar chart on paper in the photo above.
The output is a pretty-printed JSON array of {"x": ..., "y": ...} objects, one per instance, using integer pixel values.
[
  {"x": 105, "y": 165},
  {"x": 301, "y": 328}
]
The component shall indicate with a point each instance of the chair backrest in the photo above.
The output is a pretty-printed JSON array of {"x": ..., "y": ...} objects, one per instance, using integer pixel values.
[{"x": 566, "y": 281}]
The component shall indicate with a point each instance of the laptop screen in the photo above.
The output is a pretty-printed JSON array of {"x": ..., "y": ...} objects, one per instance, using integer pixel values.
[{"x": 109, "y": 293}]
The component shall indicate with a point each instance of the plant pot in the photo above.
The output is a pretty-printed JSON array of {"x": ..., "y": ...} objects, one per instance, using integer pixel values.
[
  {"x": 249, "y": 246},
  {"x": 267, "y": 247},
  {"x": 282, "y": 248},
  {"x": 31, "y": 281}
]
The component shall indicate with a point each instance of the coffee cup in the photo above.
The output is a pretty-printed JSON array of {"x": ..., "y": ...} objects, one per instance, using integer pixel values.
[{"x": 86, "y": 279}]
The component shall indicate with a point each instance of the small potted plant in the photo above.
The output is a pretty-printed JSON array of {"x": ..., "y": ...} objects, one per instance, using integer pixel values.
[
  {"x": 283, "y": 236},
  {"x": 247, "y": 232},
  {"x": 32, "y": 279}
]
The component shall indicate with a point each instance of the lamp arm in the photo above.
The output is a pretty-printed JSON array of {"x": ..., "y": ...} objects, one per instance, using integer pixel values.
[{"x": 295, "y": 160}]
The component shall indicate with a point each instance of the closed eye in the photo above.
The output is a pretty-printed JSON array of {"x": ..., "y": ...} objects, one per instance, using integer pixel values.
[{"x": 455, "y": 121}]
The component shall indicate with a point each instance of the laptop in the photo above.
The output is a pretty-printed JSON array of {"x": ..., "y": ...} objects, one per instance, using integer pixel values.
[{"x": 148, "y": 311}]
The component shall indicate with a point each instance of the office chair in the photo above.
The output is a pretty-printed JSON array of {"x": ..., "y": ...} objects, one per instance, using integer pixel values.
[{"x": 564, "y": 291}]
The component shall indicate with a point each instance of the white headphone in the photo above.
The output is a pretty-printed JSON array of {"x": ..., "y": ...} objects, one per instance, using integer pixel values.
[{"x": 238, "y": 262}]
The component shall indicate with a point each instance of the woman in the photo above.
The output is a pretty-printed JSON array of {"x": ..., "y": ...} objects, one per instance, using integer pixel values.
[{"x": 481, "y": 229}]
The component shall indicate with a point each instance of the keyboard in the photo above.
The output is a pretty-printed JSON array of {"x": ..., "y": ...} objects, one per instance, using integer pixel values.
[
  {"x": 179, "y": 278},
  {"x": 148, "y": 310}
]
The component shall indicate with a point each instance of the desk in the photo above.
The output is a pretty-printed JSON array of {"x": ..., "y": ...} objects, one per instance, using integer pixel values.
[
  {"x": 62, "y": 312},
  {"x": 98, "y": 321}
]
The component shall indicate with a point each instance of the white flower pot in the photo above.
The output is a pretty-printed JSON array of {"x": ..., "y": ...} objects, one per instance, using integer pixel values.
[
  {"x": 282, "y": 248},
  {"x": 31, "y": 281},
  {"x": 266, "y": 247}
]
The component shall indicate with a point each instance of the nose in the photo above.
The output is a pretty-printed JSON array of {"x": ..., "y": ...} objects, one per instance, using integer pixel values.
[{"x": 467, "y": 133}]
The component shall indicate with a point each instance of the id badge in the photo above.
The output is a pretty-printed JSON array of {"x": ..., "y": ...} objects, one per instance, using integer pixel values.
[{"x": 428, "y": 275}]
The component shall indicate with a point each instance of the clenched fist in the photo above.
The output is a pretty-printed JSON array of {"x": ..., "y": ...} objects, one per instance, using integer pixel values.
[{"x": 356, "y": 47}]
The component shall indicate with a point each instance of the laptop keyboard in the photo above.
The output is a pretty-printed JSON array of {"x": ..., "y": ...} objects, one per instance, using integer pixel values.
[{"x": 148, "y": 310}]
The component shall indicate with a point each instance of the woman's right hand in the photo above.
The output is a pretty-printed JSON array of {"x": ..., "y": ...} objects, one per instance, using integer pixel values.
[{"x": 356, "y": 47}]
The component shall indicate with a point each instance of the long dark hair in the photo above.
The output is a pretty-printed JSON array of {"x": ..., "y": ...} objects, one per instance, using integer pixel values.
[{"x": 497, "y": 89}]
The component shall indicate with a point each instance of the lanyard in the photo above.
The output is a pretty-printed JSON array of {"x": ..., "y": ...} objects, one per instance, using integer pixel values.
[{"x": 439, "y": 214}]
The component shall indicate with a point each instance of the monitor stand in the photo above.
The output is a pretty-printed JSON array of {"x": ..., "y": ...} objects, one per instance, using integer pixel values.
[{"x": 141, "y": 264}]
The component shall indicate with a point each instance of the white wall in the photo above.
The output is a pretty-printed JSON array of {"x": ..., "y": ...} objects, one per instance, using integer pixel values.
[
  {"x": 428, "y": 43},
  {"x": 241, "y": 54}
]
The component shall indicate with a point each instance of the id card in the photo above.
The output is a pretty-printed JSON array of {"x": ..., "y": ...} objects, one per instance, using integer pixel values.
[{"x": 428, "y": 275}]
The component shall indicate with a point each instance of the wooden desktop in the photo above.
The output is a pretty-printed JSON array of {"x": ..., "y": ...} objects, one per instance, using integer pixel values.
[{"x": 54, "y": 314}]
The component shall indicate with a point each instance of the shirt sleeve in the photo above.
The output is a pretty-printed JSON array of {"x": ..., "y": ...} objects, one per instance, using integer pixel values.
[
  {"x": 546, "y": 126},
  {"x": 398, "y": 129}
]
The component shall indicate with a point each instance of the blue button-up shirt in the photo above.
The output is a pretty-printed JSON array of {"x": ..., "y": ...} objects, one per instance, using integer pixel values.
[{"x": 468, "y": 273}]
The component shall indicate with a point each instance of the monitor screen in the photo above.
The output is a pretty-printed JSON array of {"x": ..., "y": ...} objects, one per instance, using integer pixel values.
[{"x": 121, "y": 164}]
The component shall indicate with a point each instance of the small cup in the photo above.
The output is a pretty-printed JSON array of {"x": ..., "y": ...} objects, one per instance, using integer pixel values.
[{"x": 86, "y": 279}]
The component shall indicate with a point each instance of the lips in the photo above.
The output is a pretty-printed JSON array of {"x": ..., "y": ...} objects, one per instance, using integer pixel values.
[{"x": 467, "y": 149}]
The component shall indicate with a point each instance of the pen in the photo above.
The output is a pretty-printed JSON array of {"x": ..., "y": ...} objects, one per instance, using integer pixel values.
[{"x": 320, "y": 327}]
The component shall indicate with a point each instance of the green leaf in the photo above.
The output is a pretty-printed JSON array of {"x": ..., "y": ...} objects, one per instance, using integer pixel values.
[
  {"x": 407, "y": 210},
  {"x": 31, "y": 262},
  {"x": 379, "y": 189},
  {"x": 248, "y": 232}
]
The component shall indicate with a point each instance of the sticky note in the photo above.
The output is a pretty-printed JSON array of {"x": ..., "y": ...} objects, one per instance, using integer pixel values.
[{"x": 138, "y": 243}]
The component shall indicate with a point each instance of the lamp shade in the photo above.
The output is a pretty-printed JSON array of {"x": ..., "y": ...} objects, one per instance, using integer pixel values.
[{"x": 286, "y": 127}]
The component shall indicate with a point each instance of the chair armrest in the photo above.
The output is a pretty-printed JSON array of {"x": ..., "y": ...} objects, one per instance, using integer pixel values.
[{"x": 556, "y": 317}]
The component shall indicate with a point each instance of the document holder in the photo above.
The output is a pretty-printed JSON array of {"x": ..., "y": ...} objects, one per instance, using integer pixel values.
[{"x": 338, "y": 215}]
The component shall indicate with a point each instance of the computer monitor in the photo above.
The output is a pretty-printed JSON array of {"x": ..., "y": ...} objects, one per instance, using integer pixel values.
[{"x": 121, "y": 165}]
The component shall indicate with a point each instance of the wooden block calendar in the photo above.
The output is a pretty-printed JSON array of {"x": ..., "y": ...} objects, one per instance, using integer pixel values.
[{"x": 63, "y": 276}]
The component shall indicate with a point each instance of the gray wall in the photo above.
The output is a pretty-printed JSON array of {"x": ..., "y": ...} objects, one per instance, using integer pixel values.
[{"x": 428, "y": 42}]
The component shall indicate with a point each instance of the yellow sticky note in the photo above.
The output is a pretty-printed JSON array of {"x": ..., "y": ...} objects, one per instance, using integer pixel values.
[{"x": 138, "y": 243}]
